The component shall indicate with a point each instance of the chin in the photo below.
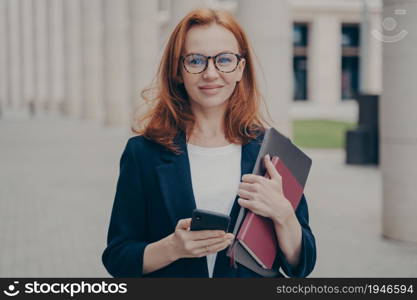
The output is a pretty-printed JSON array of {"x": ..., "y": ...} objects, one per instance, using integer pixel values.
[
  {"x": 214, "y": 101},
  {"x": 208, "y": 103}
]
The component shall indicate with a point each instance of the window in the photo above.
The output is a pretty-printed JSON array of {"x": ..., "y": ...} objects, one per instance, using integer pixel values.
[
  {"x": 350, "y": 61},
  {"x": 350, "y": 77},
  {"x": 300, "y": 35},
  {"x": 350, "y": 35},
  {"x": 300, "y": 42},
  {"x": 300, "y": 77}
]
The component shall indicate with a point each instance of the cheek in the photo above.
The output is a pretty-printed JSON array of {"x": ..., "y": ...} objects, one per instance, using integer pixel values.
[
  {"x": 231, "y": 83},
  {"x": 230, "y": 79},
  {"x": 230, "y": 88},
  {"x": 189, "y": 82}
]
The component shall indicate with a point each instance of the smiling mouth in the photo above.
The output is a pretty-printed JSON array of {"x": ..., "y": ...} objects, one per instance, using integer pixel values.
[{"x": 210, "y": 90}]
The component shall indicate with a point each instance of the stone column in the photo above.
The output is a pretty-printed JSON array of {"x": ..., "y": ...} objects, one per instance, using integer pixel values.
[
  {"x": 56, "y": 57},
  {"x": 178, "y": 10},
  {"x": 41, "y": 54},
  {"x": 15, "y": 53},
  {"x": 73, "y": 58},
  {"x": 4, "y": 70},
  {"x": 399, "y": 121},
  {"x": 271, "y": 37},
  {"x": 375, "y": 59},
  {"x": 28, "y": 55},
  {"x": 371, "y": 49},
  {"x": 145, "y": 46},
  {"x": 92, "y": 43},
  {"x": 117, "y": 63},
  {"x": 324, "y": 61}
]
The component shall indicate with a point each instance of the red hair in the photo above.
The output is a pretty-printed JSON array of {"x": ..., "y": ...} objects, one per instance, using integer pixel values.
[{"x": 171, "y": 110}]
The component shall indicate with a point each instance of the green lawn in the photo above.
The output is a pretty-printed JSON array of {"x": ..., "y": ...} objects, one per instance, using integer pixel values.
[{"x": 320, "y": 133}]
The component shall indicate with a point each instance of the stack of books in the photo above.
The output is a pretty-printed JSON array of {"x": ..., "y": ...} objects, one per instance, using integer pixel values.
[{"x": 256, "y": 245}]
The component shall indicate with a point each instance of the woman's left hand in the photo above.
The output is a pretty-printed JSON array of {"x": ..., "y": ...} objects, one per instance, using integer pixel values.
[{"x": 265, "y": 196}]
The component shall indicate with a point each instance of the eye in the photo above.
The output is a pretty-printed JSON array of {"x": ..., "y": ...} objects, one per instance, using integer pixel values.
[
  {"x": 195, "y": 60},
  {"x": 225, "y": 59}
]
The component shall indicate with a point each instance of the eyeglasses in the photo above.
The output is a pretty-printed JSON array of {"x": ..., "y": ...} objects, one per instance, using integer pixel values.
[{"x": 225, "y": 62}]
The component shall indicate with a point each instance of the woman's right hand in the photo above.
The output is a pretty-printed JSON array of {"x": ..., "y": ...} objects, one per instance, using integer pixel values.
[{"x": 199, "y": 243}]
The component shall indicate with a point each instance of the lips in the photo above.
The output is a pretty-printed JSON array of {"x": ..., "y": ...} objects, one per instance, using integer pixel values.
[{"x": 210, "y": 89}]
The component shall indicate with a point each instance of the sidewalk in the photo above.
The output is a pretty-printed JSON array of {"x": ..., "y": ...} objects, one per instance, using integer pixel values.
[
  {"x": 57, "y": 183},
  {"x": 345, "y": 204}
]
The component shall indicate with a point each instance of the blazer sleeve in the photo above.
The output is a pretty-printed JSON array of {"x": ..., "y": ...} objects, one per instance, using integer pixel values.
[
  {"x": 126, "y": 238},
  {"x": 307, "y": 259}
]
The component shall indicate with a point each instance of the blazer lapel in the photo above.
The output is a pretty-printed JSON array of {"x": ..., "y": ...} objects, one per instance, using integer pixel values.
[
  {"x": 175, "y": 179},
  {"x": 175, "y": 182}
]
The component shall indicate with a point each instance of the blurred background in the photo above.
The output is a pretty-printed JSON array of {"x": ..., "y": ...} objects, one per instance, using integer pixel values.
[{"x": 338, "y": 77}]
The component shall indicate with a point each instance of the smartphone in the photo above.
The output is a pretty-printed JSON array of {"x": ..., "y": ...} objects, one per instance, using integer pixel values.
[{"x": 209, "y": 220}]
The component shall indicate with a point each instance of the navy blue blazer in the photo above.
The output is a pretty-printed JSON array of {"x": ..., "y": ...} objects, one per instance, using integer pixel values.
[{"x": 154, "y": 191}]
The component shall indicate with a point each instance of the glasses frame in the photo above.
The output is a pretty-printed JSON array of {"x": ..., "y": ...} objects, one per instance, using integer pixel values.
[{"x": 238, "y": 56}]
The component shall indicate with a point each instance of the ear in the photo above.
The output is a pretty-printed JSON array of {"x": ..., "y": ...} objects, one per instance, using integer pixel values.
[{"x": 240, "y": 69}]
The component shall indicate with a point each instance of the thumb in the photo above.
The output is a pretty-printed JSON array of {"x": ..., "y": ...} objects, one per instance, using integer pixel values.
[
  {"x": 272, "y": 172},
  {"x": 184, "y": 224}
]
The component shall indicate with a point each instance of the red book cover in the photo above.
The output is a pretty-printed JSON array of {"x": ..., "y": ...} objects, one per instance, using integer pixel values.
[
  {"x": 257, "y": 236},
  {"x": 257, "y": 233},
  {"x": 292, "y": 189}
]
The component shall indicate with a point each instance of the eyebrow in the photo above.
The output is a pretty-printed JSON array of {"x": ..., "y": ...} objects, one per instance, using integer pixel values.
[{"x": 222, "y": 52}]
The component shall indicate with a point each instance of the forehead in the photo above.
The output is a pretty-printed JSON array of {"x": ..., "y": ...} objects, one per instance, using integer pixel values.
[{"x": 210, "y": 40}]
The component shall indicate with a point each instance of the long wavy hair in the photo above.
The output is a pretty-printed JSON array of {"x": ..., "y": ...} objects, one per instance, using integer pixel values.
[{"x": 169, "y": 110}]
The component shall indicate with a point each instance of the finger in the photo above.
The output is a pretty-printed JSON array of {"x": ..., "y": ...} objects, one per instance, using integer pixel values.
[
  {"x": 213, "y": 248},
  {"x": 184, "y": 224},
  {"x": 252, "y": 178},
  {"x": 245, "y": 194},
  {"x": 219, "y": 246},
  {"x": 253, "y": 206},
  {"x": 247, "y": 186},
  {"x": 272, "y": 171},
  {"x": 210, "y": 241},
  {"x": 205, "y": 234},
  {"x": 246, "y": 203}
]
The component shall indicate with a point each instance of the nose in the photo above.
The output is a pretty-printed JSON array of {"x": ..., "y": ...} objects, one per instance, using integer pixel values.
[{"x": 211, "y": 71}]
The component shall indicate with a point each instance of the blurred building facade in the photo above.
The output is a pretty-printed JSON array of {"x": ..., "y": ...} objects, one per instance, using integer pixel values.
[
  {"x": 90, "y": 59},
  {"x": 327, "y": 55}
]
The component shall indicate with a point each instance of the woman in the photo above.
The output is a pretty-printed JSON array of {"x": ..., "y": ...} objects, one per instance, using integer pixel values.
[{"x": 200, "y": 137}]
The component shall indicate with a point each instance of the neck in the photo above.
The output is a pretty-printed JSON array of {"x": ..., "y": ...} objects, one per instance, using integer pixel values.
[{"x": 208, "y": 122}]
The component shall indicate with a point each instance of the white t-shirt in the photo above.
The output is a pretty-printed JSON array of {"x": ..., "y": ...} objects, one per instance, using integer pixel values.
[{"x": 215, "y": 176}]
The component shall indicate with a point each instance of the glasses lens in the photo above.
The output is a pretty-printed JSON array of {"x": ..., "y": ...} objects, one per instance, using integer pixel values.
[
  {"x": 226, "y": 62},
  {"x": 195, "y": 63}
]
